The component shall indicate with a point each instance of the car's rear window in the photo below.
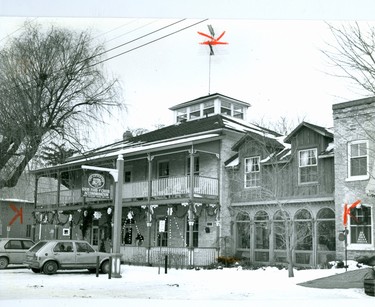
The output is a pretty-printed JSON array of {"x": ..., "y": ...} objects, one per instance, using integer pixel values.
[{"x": 38, "y": 246}]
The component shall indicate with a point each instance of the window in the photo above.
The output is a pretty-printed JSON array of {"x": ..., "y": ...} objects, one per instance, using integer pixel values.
[
  {"x": 181, "y": 115},
  {"x": 63, "y": 247},
  {"x": 238, "y": 111},
  {"x": 358, "y": 159},
  {"x": 360, "y": 225},
  {"x": 262, "y": 231},
  {"x": 127, "y": 176},
  {"x": 208, "y": 108},
  {"x": 84, "y": 248},
  {"x": 252, "y": 172},
  {"x": 326, "y": 236},
  {"x": 243, "y": 231},
  {"x": 303, "y": 230},
  {"x": 13, "y": 244},
  {"x": 163, "y": 169},
  {"x": 196, "y": 166},
  {"x": 195, "y": 233},
  {"x": 226, "y": 108},
  {"x": 308, "y": 165},
  {"x": 280, "y": 223},
  {"x": 195, "y": 112}
]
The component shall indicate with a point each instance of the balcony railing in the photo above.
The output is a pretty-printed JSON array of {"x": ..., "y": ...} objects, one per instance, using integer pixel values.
[{"x": 169, "y": 187}]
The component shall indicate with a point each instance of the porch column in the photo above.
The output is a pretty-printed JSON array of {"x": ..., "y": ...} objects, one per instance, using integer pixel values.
[
  {"x": 191, "y": 235},
  {"x": 149, "y": 215},
  {"x": 191, "y": 167},
  {"x": 117, "y": 217},
  {"x": 58, "y": 201}
]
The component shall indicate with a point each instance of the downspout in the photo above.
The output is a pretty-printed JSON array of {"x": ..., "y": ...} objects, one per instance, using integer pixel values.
[{"x": 35, "y": 204}]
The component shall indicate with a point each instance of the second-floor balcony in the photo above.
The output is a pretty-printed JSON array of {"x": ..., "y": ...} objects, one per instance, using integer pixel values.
[{"x": 133, "y": 192}]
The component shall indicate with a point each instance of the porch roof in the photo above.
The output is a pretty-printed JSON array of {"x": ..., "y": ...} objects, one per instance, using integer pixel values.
[{"x": 173, "y": 136}]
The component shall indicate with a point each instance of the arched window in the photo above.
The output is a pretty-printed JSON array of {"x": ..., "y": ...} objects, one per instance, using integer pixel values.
[
  {"x": 326, "y": 229},
  {"x": 279, "y": 225},
  {"x": 326, "y": 241},
  {"x": 243, "y": 231},
  {"x": 262, "y": 232},
  {"x": 281, "y": 221},
  {"x": 303, "y": 236},
  {"x": 303, "y": 230}
]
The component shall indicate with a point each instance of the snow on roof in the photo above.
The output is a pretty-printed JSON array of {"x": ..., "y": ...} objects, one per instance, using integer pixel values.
[
  {"x": 16, "y": 200},
  {"x": 143, "y": 147}
]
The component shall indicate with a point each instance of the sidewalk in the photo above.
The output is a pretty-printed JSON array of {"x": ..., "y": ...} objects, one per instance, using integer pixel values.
[{"x": 347, "y": 280}]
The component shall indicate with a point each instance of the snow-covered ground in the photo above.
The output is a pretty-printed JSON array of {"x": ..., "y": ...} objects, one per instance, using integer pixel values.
[{"x": 145, "y": 286}]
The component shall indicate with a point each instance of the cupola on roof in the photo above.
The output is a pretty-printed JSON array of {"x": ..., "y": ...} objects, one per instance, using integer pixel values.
[{"x": 210, "y": 105}]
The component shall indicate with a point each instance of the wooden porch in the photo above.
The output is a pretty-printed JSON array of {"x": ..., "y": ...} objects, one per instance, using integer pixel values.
[{"x": 159, "y": 189}]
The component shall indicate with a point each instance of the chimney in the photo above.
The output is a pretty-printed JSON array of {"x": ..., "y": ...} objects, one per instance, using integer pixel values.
[{"x": 127, "y": 135}]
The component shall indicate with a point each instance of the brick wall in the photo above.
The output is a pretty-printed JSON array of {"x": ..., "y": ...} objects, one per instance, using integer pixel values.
[{"x": 353, "y": 120}]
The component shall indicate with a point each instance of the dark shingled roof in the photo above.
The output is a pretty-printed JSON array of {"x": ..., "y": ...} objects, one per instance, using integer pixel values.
[{"x": 180, "y": 130}]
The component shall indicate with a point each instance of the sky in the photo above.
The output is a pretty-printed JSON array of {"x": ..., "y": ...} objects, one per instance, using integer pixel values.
[
  {"x": 273, "y": 58},
  {"x": 149, "y": 286}
]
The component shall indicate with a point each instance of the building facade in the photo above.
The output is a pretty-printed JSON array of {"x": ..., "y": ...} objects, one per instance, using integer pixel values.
[
  {"x": 354, "y": 124},
  {"x": 282, "y": 197},
  {"x": 174, "y": 194},
  {"x": 213, "y": 185}
]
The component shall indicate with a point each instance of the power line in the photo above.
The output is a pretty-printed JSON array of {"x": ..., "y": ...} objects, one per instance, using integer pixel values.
[
  {"x": 150, "y": 42},
  {"x": 140, "y": 37}
]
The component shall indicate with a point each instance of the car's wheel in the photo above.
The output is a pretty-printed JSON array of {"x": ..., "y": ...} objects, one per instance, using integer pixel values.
[
  {"x": 105, "y": 267},
  {"x": 35, "y": 270},
  {"x": 3, "y": 262},
  {"x": 50, "y": 267}
]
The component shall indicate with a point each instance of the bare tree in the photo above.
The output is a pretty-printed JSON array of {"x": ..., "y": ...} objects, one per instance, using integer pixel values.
[
  {"x": 353, "y": 53},
  {"x": 51, "y": 86}
]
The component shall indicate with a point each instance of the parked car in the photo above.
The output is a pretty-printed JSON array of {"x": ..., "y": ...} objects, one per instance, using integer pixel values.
[
  {"x": 48, "y": 256},
  {"x": 13, "y": 251}
]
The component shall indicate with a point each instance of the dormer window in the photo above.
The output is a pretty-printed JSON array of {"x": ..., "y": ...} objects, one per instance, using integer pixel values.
[
  {"x": 226, "y": 108},
  {"x": 195, "y": 111},
  {"x": 181, "y": 115},
  {"x": 208, "y": 108},
  {"x": 238, "y": 111}
]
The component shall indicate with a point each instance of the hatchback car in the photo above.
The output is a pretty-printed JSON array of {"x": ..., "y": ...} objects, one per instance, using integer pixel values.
[
  {"x": 13, "y": 251},
  {"x": 52, "y": 255}
]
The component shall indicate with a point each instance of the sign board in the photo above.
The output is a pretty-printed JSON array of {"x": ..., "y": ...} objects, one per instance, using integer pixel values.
[
  {"x": 66, "y": 232},
  {"x": 95, "y": 185},
  {"x": 161, "y": 225}
]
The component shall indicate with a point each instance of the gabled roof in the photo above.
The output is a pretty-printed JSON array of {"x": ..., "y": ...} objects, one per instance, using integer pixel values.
[
  {"x": 269, "y": 139},
  {"x": 318, "y": 129},
  {"x": 206, "y": 98}
]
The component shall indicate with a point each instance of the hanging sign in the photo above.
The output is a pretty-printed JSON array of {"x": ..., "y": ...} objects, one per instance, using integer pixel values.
[
  {"x": 161, "y": 225},
  {"x": 95, "y": 185}
]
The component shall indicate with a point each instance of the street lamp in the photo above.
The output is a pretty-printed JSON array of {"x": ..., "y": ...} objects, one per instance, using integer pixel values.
[{"x": 118, "y": 178}]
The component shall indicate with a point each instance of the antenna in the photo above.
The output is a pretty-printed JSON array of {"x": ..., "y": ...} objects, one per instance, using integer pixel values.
[{"x": 211, "y": 42}]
